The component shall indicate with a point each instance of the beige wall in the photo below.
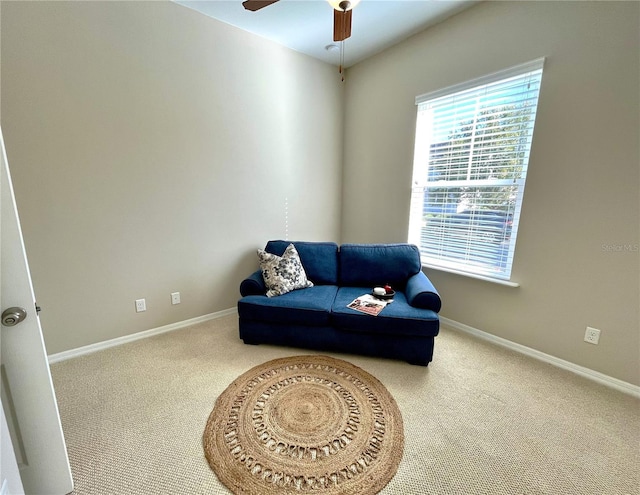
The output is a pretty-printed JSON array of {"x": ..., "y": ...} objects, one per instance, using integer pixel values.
[
  {"x": 582, "y": 192},
  {"x": 153, "y": 149}
]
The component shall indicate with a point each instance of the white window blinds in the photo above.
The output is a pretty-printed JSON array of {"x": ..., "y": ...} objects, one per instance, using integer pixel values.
[{"x": 470, "y": 164}]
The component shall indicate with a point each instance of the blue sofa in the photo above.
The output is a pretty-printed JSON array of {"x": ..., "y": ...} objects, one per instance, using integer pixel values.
[{"x": 318, "y": 317}]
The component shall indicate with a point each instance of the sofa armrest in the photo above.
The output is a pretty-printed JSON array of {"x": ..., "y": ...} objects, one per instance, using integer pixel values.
[
  {"x": 421, "y": 293},
  {"x": 253, "y": 285}
]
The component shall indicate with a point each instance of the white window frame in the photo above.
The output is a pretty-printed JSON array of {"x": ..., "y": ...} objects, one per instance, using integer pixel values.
[{"x": 463, "y": 251}]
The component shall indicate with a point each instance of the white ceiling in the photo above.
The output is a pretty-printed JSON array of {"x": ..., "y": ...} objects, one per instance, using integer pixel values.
[{"x": 307, "y": 25}]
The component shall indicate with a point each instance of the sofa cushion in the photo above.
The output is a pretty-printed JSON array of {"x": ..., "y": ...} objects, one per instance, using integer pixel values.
[
  {"x": 397, "y": 318},
  {"x": 319, "y": 259},
  {"x": 369, "y": 265},
  {"x": 310, "y": 306},
  {"x": 284, "y": 273}
]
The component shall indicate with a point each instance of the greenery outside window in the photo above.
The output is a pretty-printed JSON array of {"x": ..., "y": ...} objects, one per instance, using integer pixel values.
[{"x": 471, "y": 155}]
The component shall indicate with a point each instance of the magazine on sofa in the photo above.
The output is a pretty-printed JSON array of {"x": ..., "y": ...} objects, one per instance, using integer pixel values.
[{"x": 368, "y": 304}]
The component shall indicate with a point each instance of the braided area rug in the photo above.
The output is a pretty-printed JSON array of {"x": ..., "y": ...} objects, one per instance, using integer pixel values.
[{"x": 305, "y": 424}]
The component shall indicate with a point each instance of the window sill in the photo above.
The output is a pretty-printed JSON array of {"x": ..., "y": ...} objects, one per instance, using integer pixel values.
[{"x": 498, "y": 281}]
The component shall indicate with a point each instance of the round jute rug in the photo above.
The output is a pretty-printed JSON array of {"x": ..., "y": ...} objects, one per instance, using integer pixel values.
[{"x": 305, "y": 424}]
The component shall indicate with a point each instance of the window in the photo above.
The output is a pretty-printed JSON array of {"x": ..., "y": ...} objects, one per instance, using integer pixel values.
[{"x": 470, "y": 165}]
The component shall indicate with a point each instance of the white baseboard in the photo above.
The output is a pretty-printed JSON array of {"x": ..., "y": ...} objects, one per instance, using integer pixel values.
[
  {"x": 88, "y": 349},
  {"x": 601, "y": 378}
]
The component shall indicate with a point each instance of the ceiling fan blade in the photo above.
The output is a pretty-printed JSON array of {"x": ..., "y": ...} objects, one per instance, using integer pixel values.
[
  {"x": 341, "y": 25},
  {"x": 254, "y": 5}
]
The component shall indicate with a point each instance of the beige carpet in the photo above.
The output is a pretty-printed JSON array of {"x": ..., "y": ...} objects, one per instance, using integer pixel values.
[{"x": 478, "y": 420}]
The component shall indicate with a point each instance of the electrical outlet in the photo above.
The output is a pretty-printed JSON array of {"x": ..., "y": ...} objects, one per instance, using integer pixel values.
[
  {"x": 175, "y": 298},
  {"x": 141, "y": 305},
  {"x": 592, "y": 335}
]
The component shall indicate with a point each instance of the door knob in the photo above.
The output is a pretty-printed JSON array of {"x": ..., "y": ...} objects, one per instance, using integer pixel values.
[{"x": 13, "y": 316}]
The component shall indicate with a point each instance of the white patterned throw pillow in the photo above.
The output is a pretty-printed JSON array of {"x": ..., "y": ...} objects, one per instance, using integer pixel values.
[{"x": 284, "y": 273}]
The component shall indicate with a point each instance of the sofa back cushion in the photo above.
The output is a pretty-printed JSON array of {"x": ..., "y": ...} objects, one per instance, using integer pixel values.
[
  {"x": 370, "y": 265},
  {"x": 319, "y": 259}
]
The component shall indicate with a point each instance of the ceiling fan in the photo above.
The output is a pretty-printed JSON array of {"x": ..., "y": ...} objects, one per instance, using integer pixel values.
[{"x": 341, "y": 14}]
